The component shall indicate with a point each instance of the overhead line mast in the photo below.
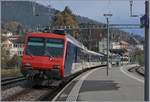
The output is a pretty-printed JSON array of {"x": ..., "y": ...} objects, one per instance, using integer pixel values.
[
  {"x": 144, "y": 20},
  {"x": 131, "y": 9},
  {"x": 33, "y": 7},
  {"x": 147, "y": 51}
]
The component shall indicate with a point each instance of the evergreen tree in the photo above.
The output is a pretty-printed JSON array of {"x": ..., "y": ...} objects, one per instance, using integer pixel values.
[
  {"x": 67, "y": 10},
  {"x": 14, "y": 27},
  {"x": 65, "y": 18}
]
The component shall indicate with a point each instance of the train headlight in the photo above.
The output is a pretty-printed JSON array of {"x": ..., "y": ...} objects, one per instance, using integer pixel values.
[
  {"x": 56, "y": 66},
  {"x": 27, "y": 65}
]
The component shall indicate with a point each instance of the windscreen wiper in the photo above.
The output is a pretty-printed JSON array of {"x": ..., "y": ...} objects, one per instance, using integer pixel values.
[
  {"x": 48, "y": 54},
  {"x": 29, "y": 53}
]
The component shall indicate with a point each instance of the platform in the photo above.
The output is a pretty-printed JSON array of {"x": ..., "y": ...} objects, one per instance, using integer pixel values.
[{"x": 95, "y": 85}]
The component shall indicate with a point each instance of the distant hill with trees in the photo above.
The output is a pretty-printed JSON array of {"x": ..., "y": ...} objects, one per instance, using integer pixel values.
[
  {"x": 22, "y": 11},
  {"x": 24, "y": 17}
]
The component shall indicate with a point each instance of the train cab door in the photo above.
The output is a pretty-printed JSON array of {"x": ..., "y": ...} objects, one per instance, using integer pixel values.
[{"x": 69, "y": 59}]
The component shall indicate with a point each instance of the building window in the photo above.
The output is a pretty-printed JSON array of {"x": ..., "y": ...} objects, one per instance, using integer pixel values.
[
  {"x": 10, "y": 45},
  {"x": 7, "y": 53},
  {"x": 5, "y": 45},
  {"x": 15, "y": 45}
]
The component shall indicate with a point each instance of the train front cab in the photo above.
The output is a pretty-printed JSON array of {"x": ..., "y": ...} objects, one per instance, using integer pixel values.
[{"x": 43, "y": 56}]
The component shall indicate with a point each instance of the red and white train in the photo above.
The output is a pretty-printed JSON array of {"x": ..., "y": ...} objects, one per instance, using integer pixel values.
[{"x": 55, "y": 56}]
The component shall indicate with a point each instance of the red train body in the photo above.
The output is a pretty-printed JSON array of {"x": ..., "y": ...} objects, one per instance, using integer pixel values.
[
  {"x": 43, "y": 62},
  {"x": 55, "y": 56}
]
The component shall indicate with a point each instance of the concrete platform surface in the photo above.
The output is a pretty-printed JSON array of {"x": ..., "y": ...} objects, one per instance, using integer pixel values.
[{"x": 95, "y": 85}]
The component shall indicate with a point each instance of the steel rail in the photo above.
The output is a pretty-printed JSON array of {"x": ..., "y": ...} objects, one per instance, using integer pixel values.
[{"x": 12, "y": 80}]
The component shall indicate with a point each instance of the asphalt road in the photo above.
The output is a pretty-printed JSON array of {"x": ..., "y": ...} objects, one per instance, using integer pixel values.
[{"x": 95, "y": 85}]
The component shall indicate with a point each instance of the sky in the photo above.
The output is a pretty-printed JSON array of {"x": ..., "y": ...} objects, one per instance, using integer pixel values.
[{"x": 95, "y": 9}]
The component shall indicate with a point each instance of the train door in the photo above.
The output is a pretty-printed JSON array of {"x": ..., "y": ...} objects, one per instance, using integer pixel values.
[{"x": 69, "y": 58}]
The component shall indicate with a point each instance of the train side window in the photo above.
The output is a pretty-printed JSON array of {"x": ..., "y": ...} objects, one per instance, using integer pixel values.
[
  {"x": 78, "y": 55},
  {"x": 66, "y": 52},
  {"x": 68, "y": 49},
  {"x": 82, "y": 55}
]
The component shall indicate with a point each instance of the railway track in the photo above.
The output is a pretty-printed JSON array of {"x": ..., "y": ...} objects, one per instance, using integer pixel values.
[
  {"x": 27, "y": 94},
  {"x": 12, "y": 80},
  {"x": 140, "y": 70},
  {"x": 137, "y": 69},
  {"x": 38, "y": 93},
  {"x": 33, "y": 94}
]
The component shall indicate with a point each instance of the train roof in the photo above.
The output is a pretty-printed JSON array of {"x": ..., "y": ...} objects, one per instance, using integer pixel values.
[
  {"x": 75, "y": 42},
  {"x": 95, "y": 53},
  {"x": 80, "y": 45},
  {"x": 68, "y": 37},
  {"x": 44, "y": 34}
]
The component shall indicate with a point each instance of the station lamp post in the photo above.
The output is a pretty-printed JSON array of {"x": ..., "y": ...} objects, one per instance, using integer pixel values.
[{"x": 108, "y": 40}]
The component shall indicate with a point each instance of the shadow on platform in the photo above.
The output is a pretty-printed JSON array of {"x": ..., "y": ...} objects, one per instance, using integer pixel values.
[{"x": 99, "y": 85}]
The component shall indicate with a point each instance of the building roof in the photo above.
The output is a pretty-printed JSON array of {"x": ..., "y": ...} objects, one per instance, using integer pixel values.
[
  {"x": 124, "y": 42},
  {"x": 17, "y": 39},
  {"x": 118, "y": 51},
  {"x": 7, "y": 42}
]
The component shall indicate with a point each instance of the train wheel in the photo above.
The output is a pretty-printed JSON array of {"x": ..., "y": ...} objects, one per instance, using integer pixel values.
[{"x": 29, "y": 84}]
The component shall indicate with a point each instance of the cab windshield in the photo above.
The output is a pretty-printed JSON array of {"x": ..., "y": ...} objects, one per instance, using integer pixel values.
[{"x": 45, "y": 47}]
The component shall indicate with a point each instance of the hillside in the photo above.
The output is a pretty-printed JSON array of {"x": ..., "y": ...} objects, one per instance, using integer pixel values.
[{"x": 22, "y": 11}]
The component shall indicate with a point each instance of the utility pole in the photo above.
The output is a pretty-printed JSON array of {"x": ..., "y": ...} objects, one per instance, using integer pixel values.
[
  {"x": 145, "y": 23},
  {"x": 90, "y": 39},
  {"x": 108, "y": 40},
  {"x": 49, "y": 15},
  {"x": 147, "y": 49},
  {"x": 131, "y": 9},
  {"x": 131, "y": 3},
  {"x": 33, "y": 7}
]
